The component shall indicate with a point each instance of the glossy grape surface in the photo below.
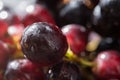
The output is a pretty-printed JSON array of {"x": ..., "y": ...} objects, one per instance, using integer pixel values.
[
  {"x": 76, "y": 36},
  {"x": 107, "y": 65},
  {"x": 43, "y": 43},
  {"x": 75, "y": 11},
  {"x": 106, "y": 18},
  {"x": 64, "y": 71},
  {"x": 38, "y": 14},
  {"x": 23, "y": 69}
]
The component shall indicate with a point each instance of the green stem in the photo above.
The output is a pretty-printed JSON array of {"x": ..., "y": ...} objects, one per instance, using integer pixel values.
[
  {"x": 72, "y": 57},
  {"x": 85, "y": 62}
]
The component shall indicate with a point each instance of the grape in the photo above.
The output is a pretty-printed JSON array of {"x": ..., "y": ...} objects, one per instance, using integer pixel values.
[
  {"x": 37, "y": 13},
  {"x": 76, "y": 36},
  {"x": 64, "y": 71},
  {"x": 3, "y": 28},
  {"x": 107, "y": 65},
  {"x": 23, "y": 69},
  {"x": 4, "y": 55},
  {"x": 43, "y": 43},
  {"x": 106, "y": 18},
  {"x": 108, "y": 44},
  {"x": 75, "y": 11}
]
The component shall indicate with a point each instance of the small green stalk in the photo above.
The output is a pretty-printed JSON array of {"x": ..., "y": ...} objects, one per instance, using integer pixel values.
[{"x": 72, "y": 57}]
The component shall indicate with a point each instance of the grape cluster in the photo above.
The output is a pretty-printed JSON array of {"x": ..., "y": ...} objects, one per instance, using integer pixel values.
[{"x": 60, "y": 40}]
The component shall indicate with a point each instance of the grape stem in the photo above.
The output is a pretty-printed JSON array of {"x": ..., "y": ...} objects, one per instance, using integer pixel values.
[{"x": 72, "y": 57}]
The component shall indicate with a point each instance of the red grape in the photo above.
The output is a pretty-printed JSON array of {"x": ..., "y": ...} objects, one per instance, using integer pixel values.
[
  {"x": 4, "y": 55},
  {"x": 3, "y": 28},
  {"x": 76, "y": 36},
  {"x": 23, "y": 69},
  {"x": 107, "y": 65},
  {"x": 38, "y": 14}
]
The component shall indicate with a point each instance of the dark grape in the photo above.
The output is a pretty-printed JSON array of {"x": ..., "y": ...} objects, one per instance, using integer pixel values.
[
  {"x": 106, "y": 18},
  {"x": 75, "y": 11},
  {"x": 108, "y": 44},
  {"x": 43, "y": 43},
  {"x": 64, "y": 71},
  {"x": 50, "y": 4}
]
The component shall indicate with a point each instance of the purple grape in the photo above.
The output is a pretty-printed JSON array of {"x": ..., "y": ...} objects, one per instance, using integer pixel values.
[{"x": 43, "y": 43}]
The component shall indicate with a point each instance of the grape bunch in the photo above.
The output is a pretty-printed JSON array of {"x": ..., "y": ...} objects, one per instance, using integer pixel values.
[{"x": 60, "y": 40}]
